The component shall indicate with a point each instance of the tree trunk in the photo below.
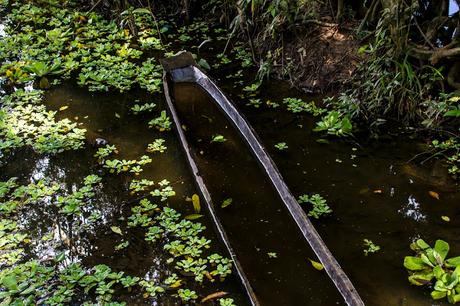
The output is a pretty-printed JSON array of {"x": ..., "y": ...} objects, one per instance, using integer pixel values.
[{"x": 339, "y": 10}]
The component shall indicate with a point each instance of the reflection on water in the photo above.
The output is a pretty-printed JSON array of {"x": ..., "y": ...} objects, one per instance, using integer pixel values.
[
  {"x": 412, "y": 210},
  {"x": 453, "y": 7}
]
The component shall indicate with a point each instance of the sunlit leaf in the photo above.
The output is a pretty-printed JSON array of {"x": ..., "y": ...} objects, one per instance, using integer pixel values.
[
  {"x": 193, "y": 216},
  {"x": 226, "y": 202},
  {"x": 317, "y": 265},
  {"x": 445, "y": 218},
  {"x": 196, "y": 203},
  {"x": 116, "y": 230},
  {"x": 414, "y": 263}
]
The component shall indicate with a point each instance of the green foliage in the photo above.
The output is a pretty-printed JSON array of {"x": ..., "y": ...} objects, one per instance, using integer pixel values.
[
  {"x": 30, "y": 282},
  {"x": 42, "y": 69},
  {"x": 151, "y": 288},
  {"x": 165, "y": 192},
  {"x": 149, "y": 76},
  {"x": 255, "y": 103},
  {"x": 432, "y": 264},
  {"x": 34, "y": 126},
  {"x": 137, "y": 186},
  {"x": 320, "y": 206},
  {"x": 50, "y": 39},
  {"x": 281, "y": 146},
  {"x": 72, "y": 203},
  {"x": 226, "y": 302},
  {"x": 252, "y": 88},
  {"x": 161, "y": 123},
  {"x": 244, "y": 56},
  {"x": 22, "y": 97},
  {"x": 218, "y": 138},
  {"x": 103, "y": 153},
  {"x": 157, "y": 146},
  {"x": 109, "y": 71},
  {"x": 297, "y": 105},
  {"x": 450, "y": 150},
  {"x": 147, "y": 107},
  {"x": 118, "y": 166},
  {"x": 370, "y": 247},
  {"x": 187, "y": 295},
  {"x": 334, "y": 123},
  {"x": 389, "y": 82},
  {"x": 181, "y": 239}
]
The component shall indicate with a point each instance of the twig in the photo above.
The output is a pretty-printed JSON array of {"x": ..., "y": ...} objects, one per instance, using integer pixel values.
[
  {"x": 94, "y": 6},
  {"x": 156, "y": 24},
  {"x": 423, "y": 34}
]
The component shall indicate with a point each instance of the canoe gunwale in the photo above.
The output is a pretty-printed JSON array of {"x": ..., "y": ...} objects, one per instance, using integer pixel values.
[
  {"x": 185, "y": 71},
  {"x": 207, "y": 197}
]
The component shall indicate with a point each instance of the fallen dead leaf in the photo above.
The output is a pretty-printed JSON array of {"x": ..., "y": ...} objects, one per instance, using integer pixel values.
[
  {"x": 434, "y": 194},
  {"x": 214, "y": 295}
]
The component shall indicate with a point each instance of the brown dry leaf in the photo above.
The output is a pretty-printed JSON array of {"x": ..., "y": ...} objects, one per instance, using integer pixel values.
[
  {"x": 434, "y": 194},
  {"x": 214, "y": 295}
]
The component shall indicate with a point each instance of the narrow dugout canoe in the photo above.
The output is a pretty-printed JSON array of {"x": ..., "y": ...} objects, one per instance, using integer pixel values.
[{"x": 182, "y": 69}]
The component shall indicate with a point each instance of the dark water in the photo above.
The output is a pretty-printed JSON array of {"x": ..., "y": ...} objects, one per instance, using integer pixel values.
[
  {"x": 257, "y": 221},
  {"x": 95, "y": 243},
  {"x": 374, "y": 191},
  {"x": 347, "y": 174}
]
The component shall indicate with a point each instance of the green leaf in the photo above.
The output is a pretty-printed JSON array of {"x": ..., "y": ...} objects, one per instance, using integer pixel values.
[
  {"x": 422, "y": 244},
  {"x": 436, "y": 295},
  {"x": 442, "y": 248},
  {"x": 414, "y": 263},
  {"x": 453, "y": 262},
  {"x": 346, "y": 125},
  {"x": 453, "y": 113},
  {"x": 193, "y": 216},
  {"x": 116, "y": 230},
  {"x": 60, "y": 257},
  {"x": 322, "y": 140},
  {"x": 420, "y": 279},
  {"x": 141, "y": 11},
  {"x": 317, "y": 265},
  {"x": 196, "y": 203},
  {"x": 456, "y": 298},
  {"x": 427, "y": 260},
  {"x": 438, "y": 272},
  {"x": 226, "y": 202},
  {"x": 10, "y": 283},
  {"x": 204, "y": 64}
]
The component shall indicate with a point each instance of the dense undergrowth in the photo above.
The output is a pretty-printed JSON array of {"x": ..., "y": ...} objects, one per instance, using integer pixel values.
[{"x": 385, "y": 63}]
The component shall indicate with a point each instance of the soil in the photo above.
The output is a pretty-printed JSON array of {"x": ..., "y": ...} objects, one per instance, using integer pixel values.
[{"x": 324, "y": 57}]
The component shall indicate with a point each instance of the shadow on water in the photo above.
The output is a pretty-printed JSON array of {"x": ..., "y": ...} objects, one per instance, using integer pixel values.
[{"x": 271, "y": 249}]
